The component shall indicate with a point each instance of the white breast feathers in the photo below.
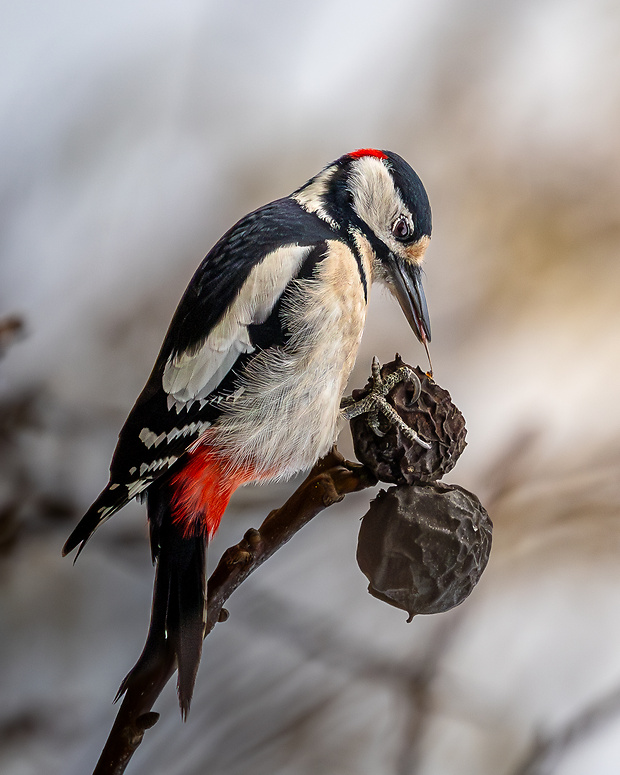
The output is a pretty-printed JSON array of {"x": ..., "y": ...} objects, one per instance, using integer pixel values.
[{"x": 285, "y": 414}]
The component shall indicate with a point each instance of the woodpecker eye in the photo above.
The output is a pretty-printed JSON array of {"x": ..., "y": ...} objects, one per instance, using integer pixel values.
[{"x": 402, "y": 229}]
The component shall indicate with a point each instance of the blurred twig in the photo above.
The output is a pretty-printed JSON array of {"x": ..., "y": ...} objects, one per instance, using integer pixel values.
[
  {"x": 14, "y": 414},
  {"x": 330, "y": 480},
  {"x": 418, "y": 688},
  {"x": 11, "y": 329},
  {"x": 548, "y": 749},
  {"x": 411, "y": 677}
]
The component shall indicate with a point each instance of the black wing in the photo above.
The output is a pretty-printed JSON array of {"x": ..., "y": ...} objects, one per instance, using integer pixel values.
[{"x": 206, "y": 346}]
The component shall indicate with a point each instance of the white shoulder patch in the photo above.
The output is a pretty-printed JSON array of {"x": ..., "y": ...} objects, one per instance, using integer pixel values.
[
  {"x": 312, "y": 195},
  {"x": 194, "y": 374}
]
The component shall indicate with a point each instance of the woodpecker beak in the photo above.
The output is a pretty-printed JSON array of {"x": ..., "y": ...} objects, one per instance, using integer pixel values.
[{"x": 410, "y": 294}]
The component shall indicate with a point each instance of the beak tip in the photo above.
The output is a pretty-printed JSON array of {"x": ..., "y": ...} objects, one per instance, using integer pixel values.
[{"x": 410, "y": 294}]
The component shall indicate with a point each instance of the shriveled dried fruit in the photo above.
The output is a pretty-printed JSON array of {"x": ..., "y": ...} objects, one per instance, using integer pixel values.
[
  {"x": 394, "y": 457},
  {"x": 423, "y": 548}
]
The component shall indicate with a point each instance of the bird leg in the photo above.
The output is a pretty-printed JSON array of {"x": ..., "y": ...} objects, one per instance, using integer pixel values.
[{"x": 375, "y": 402}]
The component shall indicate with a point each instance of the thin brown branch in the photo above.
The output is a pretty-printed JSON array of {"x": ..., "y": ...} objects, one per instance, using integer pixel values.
[{"x": 330, "y": 480}]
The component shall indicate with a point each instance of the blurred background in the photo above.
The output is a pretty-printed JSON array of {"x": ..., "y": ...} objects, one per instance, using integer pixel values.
[{"x": 133, "y": 135}]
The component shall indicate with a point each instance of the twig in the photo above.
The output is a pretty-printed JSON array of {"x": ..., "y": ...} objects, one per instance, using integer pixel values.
[
  {"x": 330, "y": 480},
  {"x": 549, "y": 749},
  {"x": 11, "y": 329}
]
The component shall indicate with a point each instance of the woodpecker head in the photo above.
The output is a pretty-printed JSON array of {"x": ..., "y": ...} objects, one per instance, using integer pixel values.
[{"x": 376, "y": 199}]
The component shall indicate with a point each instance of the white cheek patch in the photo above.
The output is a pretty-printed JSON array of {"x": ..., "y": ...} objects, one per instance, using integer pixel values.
[
  {"x": 375, "y": 198},
  {"x": 194, "y": 374}
]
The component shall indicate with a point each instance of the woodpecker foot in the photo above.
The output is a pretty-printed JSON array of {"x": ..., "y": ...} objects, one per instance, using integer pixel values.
[{"x": 375, "y": 402}]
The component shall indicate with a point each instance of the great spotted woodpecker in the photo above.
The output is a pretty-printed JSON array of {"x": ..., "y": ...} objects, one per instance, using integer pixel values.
[{"x": 247, "y": 386}]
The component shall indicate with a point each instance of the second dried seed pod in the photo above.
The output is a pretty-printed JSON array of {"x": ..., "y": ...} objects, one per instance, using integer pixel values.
[{"x": 423, "y": 548}]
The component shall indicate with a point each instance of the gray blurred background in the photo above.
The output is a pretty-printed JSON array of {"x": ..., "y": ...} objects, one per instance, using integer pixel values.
[{"x": 133, "y": 134}]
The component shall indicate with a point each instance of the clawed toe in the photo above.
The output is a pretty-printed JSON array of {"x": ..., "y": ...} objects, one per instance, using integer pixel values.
[{"x": 375, "y": 402}]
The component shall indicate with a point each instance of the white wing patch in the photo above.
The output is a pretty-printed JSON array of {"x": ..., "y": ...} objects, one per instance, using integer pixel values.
[{"x": 194, "y": 374}]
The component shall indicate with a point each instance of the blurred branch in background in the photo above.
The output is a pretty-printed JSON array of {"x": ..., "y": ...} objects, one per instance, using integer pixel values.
[
  {"x": 133, "y": 135},
  {"x": 550, "y": 748},
  {"x": 12, "y": 414},
  {"x": 30, "y": 421},
  {"x": 11, "y": 330},
  {"x": 409, "y": 679}
]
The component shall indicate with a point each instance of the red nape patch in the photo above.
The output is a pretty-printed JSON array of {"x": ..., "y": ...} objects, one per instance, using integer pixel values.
[
  {"x": 368, "y": 152},
  {"x": 201, "y": 491}
]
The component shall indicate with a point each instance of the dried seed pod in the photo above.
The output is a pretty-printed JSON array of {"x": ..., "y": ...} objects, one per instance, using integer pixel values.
[
  {"x": 394, "y": 457},
  {"x": 423, "y": 547}
]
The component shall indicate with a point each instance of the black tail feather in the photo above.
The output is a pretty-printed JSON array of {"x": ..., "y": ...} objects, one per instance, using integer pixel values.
[
  {"x": 113, "y": 498},
  {"x": 182, "y": 564},
  {"x": 177, "y": 616}
]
